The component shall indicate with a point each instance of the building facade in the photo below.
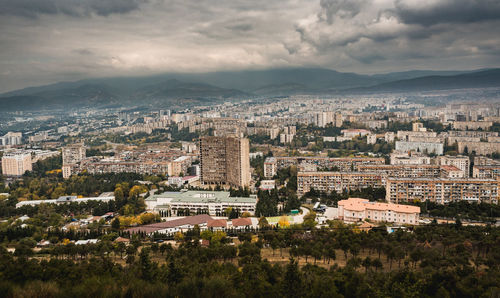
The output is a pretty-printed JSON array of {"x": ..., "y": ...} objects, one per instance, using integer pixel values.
[
  {"x": 16, "y": 164},
  {"x": 214, "y": 203},
  {"x": 424, "y": 147},
  {"x": 225, "y": 161},
  {"x": 356, "y": 209},
  {"x": 336, "y": 181},
  {"x": 441, "y": 190}
]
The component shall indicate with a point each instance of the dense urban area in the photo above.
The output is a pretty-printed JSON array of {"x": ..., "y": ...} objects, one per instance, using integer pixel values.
[{"x": 297, "y": 196}]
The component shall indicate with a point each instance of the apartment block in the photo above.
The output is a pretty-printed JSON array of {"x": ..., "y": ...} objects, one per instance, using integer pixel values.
[
  {"x": 471, "y": 133},
  {"x": 11, "y": 138},
  {"x": 441, "y": 190},
  {"x": 343, "y": 164},
  {"x": 336, "y": 181},
  {"x": 473, "y": 125},
  {"x": 424, "y": 147},
  {"x": 402, "y": 170},
  {"x": 481, "y": 148},
  {"x": 404, "y": 135},
  {"x": 486, "y": 172},
  {"x": 225, "y": 161}
]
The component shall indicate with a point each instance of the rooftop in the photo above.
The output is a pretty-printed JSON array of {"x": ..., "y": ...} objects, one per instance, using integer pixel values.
[
  {"x": 358, "y": 204},
  {"x": 202, "y": 197}
]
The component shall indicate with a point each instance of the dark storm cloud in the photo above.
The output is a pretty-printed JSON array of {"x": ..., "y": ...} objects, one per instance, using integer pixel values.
[
  {"x": 44, "y": 41},
  {"x": 447, "y": 11},
  {"x": 331, "y": 9},
  {"x": 76, "y": 8},
  {"x": 84, "y": 52}
]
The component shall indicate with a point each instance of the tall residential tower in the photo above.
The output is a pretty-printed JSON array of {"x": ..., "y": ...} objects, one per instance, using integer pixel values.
[{"x": 225, "y": 161}]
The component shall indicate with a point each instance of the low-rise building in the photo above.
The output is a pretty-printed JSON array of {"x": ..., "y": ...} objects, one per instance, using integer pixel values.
[
  {"x": 267, "y": 184},
  {"x": 66, "y": 199},
  {"x": 351, "y": 133},
  {"x": 200, "y": 202}
]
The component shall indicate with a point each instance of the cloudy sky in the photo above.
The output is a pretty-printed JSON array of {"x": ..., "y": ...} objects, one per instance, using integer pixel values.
[{"x": 45, "y": 41}]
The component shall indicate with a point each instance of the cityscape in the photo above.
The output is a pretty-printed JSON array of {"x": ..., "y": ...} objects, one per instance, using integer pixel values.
[{"x": 251, "y": 149}]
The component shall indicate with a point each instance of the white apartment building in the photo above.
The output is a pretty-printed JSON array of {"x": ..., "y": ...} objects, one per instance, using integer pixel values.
[
  {"x": 436, "y": 148},
  {"x": 16, "y": 164},
  {"x": 206, "y": 202}
]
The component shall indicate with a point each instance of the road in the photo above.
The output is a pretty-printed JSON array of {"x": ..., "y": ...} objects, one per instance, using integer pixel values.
[{"x": 298, "y": 219}]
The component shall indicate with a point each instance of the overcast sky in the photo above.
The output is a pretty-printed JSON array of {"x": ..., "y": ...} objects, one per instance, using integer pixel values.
[{"x": 45, "y": 41}]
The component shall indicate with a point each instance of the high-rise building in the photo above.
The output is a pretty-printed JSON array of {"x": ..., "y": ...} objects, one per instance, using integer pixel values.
[
  {"x": 73, "y": 154},
  {"x": 225, "y": 161},
  {"x": 16, "y": 164}
]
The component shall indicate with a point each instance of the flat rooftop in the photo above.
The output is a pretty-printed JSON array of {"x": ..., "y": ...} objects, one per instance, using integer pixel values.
[{"x": 194, "y": 196}]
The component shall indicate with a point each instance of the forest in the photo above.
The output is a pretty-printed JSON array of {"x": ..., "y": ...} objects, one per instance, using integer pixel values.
[{"x": 337, "y": 261}]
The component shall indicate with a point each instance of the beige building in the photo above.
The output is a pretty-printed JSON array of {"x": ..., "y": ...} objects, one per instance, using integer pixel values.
[
  {"x": 418, "y": 126},
  {"x": 179, "y": 165},
  {"x": 356, "y": 209},
  {"x": 225, "y": 161},
  {"x": 473, "y": 125},
  {"x": 16, "y": 164},
  {"x": 481, "y": 148}
]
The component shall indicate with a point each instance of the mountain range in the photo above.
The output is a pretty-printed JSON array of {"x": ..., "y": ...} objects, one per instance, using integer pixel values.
[{"x": 184, "y": 89}]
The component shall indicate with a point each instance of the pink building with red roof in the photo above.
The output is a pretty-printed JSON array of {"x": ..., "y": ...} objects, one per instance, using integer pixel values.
[{"x": 356, "y": 209}]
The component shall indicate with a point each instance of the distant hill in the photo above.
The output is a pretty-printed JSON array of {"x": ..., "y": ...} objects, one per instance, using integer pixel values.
[
  {"x": 183, "y": 89},
  {"x": 283, "y": 89},
  {"x": 177, "y": 89},
  {"x": 481, "y": 79},
  {"x": 53, "y": 98}
]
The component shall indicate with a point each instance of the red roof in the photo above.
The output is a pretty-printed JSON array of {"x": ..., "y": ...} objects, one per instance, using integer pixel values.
[
  {"x": 217, "y": 223},
  {"x": 189, "y": 220},
  {"x": 239, "y": 222}
]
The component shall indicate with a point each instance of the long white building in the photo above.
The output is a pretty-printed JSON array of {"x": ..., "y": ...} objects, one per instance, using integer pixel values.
[
  {"x": 64, "y": 200},
  {"x": 207, "y": 202}
]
